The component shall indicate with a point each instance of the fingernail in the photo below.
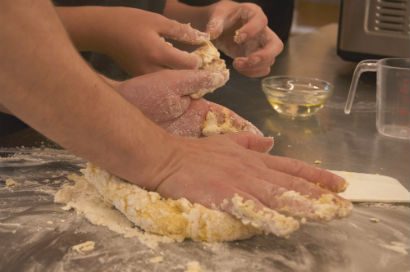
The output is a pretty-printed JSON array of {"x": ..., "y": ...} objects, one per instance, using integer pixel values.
[{"x": 239, "y": 37}]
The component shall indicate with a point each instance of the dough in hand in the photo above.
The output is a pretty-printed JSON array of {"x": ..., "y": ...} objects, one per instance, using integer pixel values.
[{"x": 211, "y": 61}]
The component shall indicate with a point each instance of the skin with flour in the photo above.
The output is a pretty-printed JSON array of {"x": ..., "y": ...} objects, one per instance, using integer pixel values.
[{"x": 180, "y": 219}]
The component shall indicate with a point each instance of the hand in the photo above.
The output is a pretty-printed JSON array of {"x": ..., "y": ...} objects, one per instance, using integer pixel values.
[
  {"x": 133, "y": 38},
  {"x": 164, "y": 97},
  {"x": 241, "y": 32},
  {"x": 212, "y": 170}
]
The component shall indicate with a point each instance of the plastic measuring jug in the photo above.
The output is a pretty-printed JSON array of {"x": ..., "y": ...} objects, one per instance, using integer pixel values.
[{"x": 392, "y": 95}]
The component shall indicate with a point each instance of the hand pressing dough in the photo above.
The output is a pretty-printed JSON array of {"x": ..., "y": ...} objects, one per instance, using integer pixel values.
[
  {"x": 211, "y": 61},
  {"x": 181, "y": 219}
]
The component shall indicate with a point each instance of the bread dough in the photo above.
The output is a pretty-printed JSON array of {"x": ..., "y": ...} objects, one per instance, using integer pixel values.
[
  {"x": 177, "y": 219},
  {"x": 211, "y": 61},
  {"x": 213, "y": 126},
  {"x": 181, "y": 219}
]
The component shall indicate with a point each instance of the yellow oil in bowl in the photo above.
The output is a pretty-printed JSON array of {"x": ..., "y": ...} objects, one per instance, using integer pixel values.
[{"x": 296, "y": 97}]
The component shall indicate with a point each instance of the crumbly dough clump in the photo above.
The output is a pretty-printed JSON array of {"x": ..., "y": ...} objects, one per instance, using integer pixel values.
[{"x": 211, "y": 61}]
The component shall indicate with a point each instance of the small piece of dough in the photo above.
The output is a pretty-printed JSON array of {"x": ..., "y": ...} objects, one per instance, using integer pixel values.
[
  {"x": 84, "y": 247},
  {"x": 10, "y": 183},
  {"x": 212, "y": 126},
  {"x": 211, "y": 61}
]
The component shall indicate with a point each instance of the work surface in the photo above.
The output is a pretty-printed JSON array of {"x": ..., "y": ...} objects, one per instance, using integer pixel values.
[{"x": 37, "y": 234}]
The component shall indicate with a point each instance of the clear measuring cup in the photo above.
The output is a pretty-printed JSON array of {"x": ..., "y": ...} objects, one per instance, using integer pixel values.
[{"x": 392, "y": 95}]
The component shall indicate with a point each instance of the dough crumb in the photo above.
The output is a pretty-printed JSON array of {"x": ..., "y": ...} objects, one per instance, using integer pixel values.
[
  {"x": 10, "y": 183},
  {"x": 156, "y": 259},
  {"x": 84, "y": 247},
  {"x": 317, "y": 162},
  {"x": 374, "y": 220},
  {"x": 50, "y": 222},
  {"x": 267, "y": 220},
  {"x": 213, "y": 126},
  {"x": 193, "y": 266}
]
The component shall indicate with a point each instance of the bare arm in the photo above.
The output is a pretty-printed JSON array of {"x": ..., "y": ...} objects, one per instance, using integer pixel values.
[{"x": 46, "y": 84}]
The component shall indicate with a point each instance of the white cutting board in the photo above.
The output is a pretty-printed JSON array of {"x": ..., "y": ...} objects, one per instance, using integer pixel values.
[{"x": 373, "y": 188}]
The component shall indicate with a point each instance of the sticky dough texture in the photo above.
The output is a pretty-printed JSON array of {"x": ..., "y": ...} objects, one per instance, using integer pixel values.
[{"x": 211, "y": 61}]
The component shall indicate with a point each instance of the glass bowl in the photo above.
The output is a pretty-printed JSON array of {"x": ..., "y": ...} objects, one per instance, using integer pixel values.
[{"x": 296, "y": 97}]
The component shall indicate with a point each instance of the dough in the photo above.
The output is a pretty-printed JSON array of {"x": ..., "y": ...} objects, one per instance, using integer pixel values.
[
  {"x": 181, "y": 219},
  {"x": 211, "y": 61},
  {"x": 213, "y": 126}
]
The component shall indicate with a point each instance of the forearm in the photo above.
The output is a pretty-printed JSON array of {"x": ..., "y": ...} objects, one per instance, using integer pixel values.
[
  {"x": 85, "y": 26},
  {"x": 197, "y": 16},
  {"x": 46, "y": 84}
]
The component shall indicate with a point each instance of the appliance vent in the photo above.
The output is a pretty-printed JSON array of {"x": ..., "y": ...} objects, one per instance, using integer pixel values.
[{"x": 389, "y": 17}]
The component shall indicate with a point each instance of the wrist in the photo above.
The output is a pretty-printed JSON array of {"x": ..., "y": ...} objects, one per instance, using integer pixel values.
[{"x": 159, "y": 161}]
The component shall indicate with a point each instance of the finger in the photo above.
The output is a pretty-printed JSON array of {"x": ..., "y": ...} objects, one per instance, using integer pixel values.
[
  {"x": 254, "y": 20},
  {"x": 310, "y": 173},
  {"x": 254, "y": 73},
  {"x": 241, "y": 205},
  {"x": 174, "y": 58},
  {"x": 289, "y": 202},
  {"x": 193, "y": 82},
  {"x": 251, "y": 211},
  {"x": 324, "y": 204},
  {"x": 221, "y": 19},
  {"x": 270, "y": 47},
  {"x": 215, "y": 27},
  {"x": 252, "y": 141},
  {"x": 182, "y": 32}
]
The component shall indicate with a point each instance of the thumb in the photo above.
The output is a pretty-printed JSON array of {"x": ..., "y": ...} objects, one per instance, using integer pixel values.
[{"x": 252, "y": 141}]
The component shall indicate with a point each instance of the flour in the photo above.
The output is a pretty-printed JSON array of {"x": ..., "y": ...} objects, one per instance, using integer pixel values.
[
  {"x": 211, "y": 61},
  {"x": 86, "y": 201}
]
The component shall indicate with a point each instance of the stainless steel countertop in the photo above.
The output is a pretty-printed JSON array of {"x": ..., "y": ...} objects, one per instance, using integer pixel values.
[{"x": 37, "y": 234}]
